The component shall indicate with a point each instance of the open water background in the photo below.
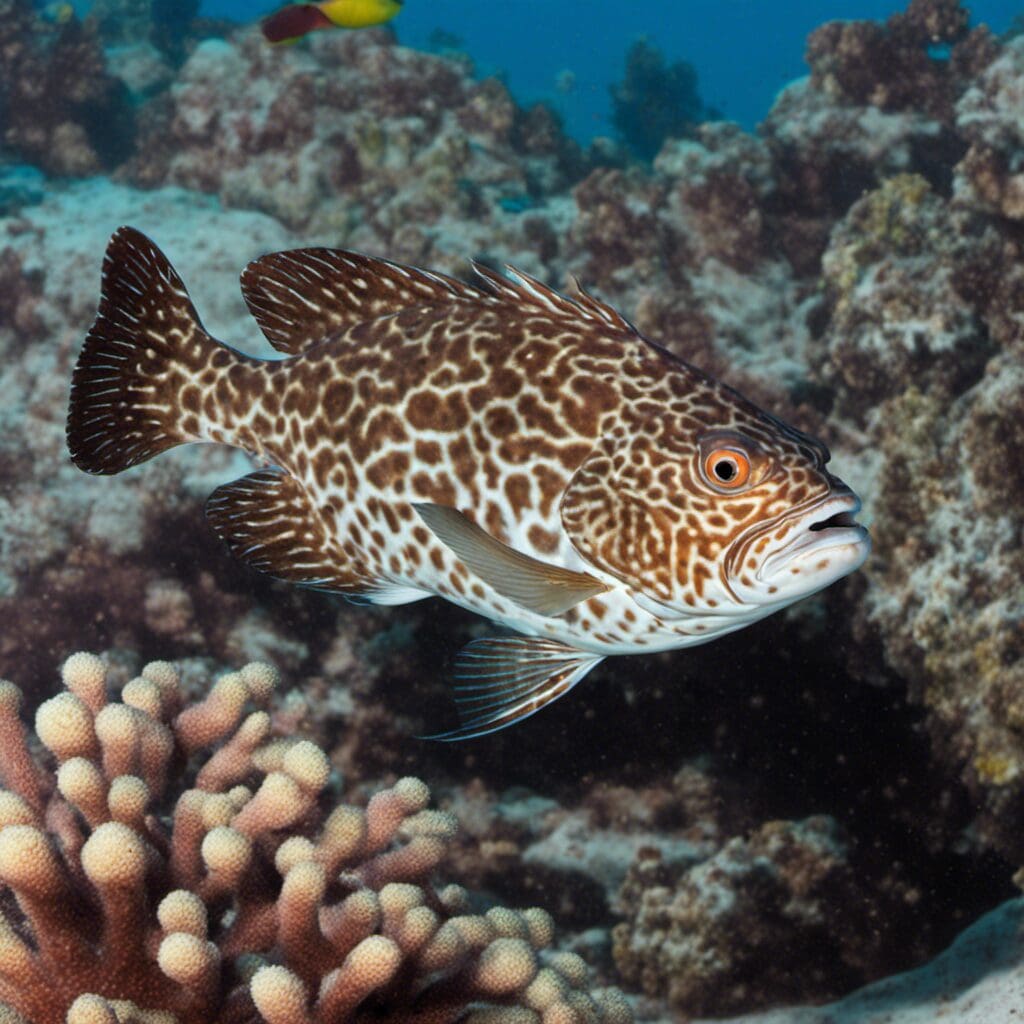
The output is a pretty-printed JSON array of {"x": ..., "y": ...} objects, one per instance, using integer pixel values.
[{"x": 744, "y": 51}]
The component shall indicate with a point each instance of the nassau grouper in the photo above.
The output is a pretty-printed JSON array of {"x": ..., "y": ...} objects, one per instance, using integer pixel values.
[{"x": 528, "y": 456}]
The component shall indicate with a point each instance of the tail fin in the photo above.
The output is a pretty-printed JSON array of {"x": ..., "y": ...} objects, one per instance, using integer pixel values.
[
  {"x": 293, "y": 22},
  {"x": 144, "y": 345}
]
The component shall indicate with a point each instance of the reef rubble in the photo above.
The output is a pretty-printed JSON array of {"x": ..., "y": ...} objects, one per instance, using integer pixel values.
[{"x": 976, "y": 981}]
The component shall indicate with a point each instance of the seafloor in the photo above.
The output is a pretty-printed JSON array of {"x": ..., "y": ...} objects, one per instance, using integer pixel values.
[{"x": 777, "y": 819}]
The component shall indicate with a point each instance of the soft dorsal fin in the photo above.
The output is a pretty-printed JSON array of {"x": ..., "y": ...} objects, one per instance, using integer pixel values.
[
  {"x": 522, "y": 289},
  {"x": 302, "y": 297}
]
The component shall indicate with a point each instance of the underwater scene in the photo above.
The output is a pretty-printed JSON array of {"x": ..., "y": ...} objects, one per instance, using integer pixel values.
[{"x": 596, "y": 594}]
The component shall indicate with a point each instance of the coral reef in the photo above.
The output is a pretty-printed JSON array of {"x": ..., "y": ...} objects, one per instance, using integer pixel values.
[
  {"x": 855, "y": 266},
  {"x": 975, "y": 981},
  {"x": 19, "y": 296},
  {"x": 755, "y": 923},
  {"x": 890, "y": 66},
  {"x": 169, "y": 26},
  {"x": 655, "y": 101},
  {"x": 923, "y": 342},
  {"x": 896, "y": 316},
  {"x": 989, "y": 117},
  {"x": 386, "y": 148},
  {"x": 60, "y": 108},
  {"x": 178, "y": 862}
]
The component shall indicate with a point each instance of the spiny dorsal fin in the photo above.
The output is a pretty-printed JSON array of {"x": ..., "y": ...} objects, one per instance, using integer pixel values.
[
  {"x": 522, "y": 289},
  {"x": 540, "y": 588},
  {"x": 302, "y": 297},
  {"x": 502, "y": 680},
  {"x": 595, "y": 307}
]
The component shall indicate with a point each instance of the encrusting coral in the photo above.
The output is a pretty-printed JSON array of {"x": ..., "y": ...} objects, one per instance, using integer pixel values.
[{"x": 127, "y": 897}]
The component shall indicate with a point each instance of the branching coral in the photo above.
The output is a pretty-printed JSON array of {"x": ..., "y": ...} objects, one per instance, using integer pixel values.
[{"x": 137, "y": 900}]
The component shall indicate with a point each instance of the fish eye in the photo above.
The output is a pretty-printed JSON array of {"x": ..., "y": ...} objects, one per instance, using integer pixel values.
[
  {"x": 729, "y": 461},
  {"x": 727, "y": 468}
]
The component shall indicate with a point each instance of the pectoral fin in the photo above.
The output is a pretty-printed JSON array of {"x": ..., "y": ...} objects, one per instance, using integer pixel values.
[
  {"x": 534, "y": 585},
  {"x": 503, "y": 680}
]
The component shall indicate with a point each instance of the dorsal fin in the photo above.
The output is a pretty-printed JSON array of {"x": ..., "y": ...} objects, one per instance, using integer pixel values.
[
  {"x": 521, "y": 288},
  {"x": 595, "y": 307},
  {"x": 302, "y": 297}
]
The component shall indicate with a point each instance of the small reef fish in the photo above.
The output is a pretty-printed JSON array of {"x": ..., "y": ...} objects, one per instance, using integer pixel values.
[
  {"x": 523, "y": 454},
  {"x": 297, "y": 20}
]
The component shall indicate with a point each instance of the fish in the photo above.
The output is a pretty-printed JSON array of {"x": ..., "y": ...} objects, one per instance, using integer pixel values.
[
  {"x": 291, "y": 23},
  {"x": 527, "y": 455}
]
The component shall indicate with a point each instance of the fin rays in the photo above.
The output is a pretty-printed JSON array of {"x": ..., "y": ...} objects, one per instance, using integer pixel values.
[
  {"x": 146, "y": 339},
  {"x": 503, "y": 680},
  {"x": 532, "y": 584},
  {"x": 303, "y": 297},
  {"x": 267, "y": 521}
]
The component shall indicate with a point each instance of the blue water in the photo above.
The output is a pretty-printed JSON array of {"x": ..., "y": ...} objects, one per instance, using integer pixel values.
[{"x": 744, "y": 50}]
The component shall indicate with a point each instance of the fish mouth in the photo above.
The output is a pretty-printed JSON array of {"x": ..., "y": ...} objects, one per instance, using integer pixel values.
[
  {"x": 839, "y": 519},
  {"x": 827, "y": 543},
  {"x": 835, "y": 515}
]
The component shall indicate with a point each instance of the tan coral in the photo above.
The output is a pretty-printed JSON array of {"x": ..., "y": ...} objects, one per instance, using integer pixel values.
[{"x": 137, "y": 901}]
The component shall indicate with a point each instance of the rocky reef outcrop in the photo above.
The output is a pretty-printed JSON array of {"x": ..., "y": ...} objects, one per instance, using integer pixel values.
[
  {"x": 385, "y": 148},
  {"x": 61, "y": 108}
]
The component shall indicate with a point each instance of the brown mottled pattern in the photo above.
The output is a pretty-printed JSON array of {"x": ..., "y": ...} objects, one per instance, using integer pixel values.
[
  {"x": 549, "y": 422},
  {"x": 526, "y": 427}
]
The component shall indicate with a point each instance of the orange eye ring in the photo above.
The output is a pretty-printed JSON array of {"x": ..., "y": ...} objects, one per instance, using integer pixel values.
[{"x": 727, "y": 469}]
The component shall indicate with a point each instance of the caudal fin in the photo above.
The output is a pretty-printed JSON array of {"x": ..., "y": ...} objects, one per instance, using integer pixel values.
[
  {"x": 145, "y": 345},
  {"x": 293, "y": 22}
]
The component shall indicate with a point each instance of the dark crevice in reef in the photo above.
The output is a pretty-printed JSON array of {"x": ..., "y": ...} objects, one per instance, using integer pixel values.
[{"x": 793, "y": 733}]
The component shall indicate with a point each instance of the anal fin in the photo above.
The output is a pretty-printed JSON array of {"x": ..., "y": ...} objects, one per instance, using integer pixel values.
[
  {"x": 503, "y": 680},
  {"x": 269, "y": 522}
]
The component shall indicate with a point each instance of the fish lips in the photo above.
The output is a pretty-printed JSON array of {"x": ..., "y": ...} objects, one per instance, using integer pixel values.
[{"x": 826, "y": 545}]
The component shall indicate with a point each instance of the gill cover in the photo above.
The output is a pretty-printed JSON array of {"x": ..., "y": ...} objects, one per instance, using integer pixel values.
[{"x": 619, "y": 513}]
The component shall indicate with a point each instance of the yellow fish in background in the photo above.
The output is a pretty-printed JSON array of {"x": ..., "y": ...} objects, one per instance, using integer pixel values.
[{"x": 297, "y": 20}]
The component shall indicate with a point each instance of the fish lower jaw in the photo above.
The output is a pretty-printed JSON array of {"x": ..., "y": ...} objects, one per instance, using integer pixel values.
[
  {"x": 815, "y": 561},
  {"x": 826, "y": 540}
]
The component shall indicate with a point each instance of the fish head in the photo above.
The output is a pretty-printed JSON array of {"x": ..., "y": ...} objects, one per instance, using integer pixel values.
[{"x": 721, "y": 513}]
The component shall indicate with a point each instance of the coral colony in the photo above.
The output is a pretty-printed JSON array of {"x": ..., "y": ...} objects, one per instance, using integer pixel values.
[{"x": 178, "y": 865}]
